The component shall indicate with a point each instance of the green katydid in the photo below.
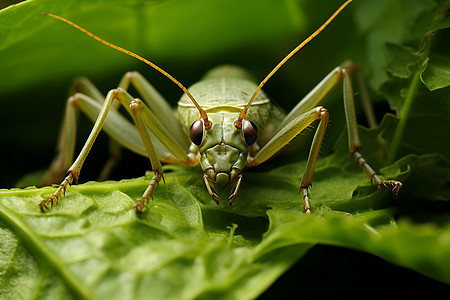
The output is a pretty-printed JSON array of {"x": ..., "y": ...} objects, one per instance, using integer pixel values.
[{"x": 218, "y": 128}]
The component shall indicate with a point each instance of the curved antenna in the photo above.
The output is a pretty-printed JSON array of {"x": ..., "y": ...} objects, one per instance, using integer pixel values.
[
  {"x": 202, "y": 112},
  {"x": 238, "y": 123}
]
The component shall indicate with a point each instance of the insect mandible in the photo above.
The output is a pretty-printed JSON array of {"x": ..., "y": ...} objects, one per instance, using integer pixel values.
[{"x": 218, "y": 129}]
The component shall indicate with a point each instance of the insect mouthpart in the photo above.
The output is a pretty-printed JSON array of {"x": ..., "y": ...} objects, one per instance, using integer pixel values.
[
  {"x": 217, "y": 183},
  {"x": 222, "y": 178},
  {"x": 223, "y": 165}
]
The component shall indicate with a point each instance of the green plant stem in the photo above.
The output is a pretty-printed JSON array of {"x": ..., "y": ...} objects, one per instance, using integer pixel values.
[{"x": 406, "y": 110}]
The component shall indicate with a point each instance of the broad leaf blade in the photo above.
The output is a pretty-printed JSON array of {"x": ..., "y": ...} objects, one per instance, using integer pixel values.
[{"x": 182, "y": 246}]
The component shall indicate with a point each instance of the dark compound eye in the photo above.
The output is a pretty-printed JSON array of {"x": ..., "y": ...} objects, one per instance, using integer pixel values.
[
  {"x": 196, "y": 132},
  {"x": 250, "y": 132}
]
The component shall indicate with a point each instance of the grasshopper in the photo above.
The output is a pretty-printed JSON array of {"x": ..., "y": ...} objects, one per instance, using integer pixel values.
[{"x": 218, "y": 128}]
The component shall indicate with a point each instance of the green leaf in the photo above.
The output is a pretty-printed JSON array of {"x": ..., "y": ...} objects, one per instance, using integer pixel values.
[
  {"x": 184, "y": 246},
  {"x": 407, "y": 95},
  {"x": 437, "y": 74},
  {"x": 399, "y": 22},
  {"x": 400, "y": 60}
]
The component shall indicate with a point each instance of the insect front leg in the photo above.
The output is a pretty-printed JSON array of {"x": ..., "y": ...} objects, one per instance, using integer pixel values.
[
  {"x": 286, "y": 134},
  {"x": 121, "y": 130},
  {"x": 147, "y": 122}
]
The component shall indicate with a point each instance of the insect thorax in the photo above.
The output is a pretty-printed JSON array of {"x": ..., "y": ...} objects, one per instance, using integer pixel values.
[{"x": 226, "y": 89}]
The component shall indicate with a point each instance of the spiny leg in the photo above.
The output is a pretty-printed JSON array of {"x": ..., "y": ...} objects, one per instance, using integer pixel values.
[
  {"x": 83, "y": 94},
  {"x": 115, "y": 125},
  {"x": 288, "y": 129},
  {"x": 139, "y": 206},
  {"x": 396, "y": 185},
  {"x": 74, "y": 171},
  {"x": 147, "y": 121},
  {"x": 54, "y": 199},
  {"x": 156, "y": 164},
  {"x": 312, "y": 158},
  {"x": 354, "y": 141},
  {"x": 318, "y": 94},
  {"x": 154, "y": 101}
]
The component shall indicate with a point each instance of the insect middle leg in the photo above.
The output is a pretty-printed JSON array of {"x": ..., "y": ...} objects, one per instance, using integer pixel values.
[{"x": 304, "y": 114}]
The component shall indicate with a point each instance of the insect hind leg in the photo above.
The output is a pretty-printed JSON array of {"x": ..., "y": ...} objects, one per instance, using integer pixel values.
[{"x": 354, "y": 141}]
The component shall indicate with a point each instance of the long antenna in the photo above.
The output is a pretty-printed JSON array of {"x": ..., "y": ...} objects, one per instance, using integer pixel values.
[
  {"x": 203, "y": 114},
  {"x": 238, "y": 123}
]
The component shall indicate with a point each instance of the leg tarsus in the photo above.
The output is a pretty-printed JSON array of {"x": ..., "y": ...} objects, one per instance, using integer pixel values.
[
  {"x": 396, "y": 185},
  {"x": 139, "y": 206},
  {"x": 306, "y": 204},
  {"x": 54, "y": 199}
]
